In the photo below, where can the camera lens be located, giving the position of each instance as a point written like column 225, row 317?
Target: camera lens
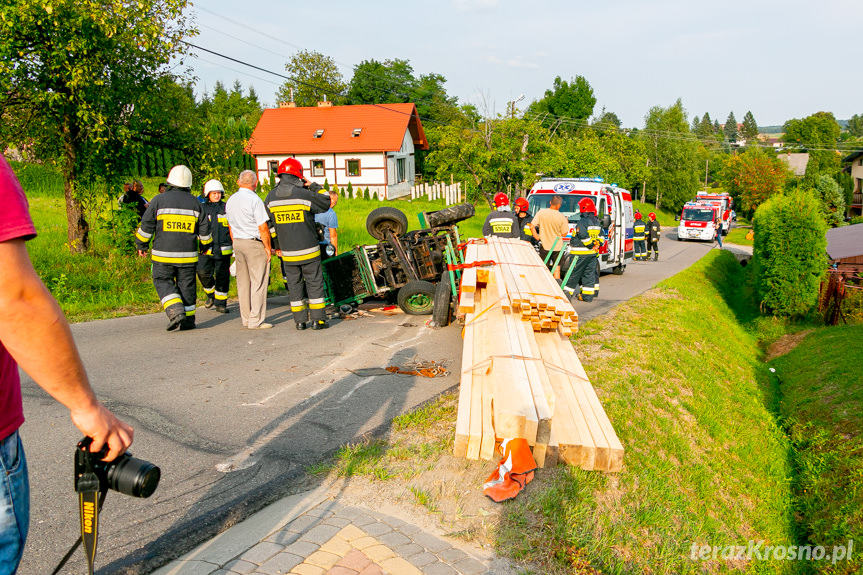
column 132, row 476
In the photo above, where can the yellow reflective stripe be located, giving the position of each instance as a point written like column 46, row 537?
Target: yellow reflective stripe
column 298, row 308
column 190, row 312
column 317, row 305
column 587, row 290
column 169, row 260
column 221, row 296
column 142, row 237
column 302, row 258
column 171, row 302
column 210, row 290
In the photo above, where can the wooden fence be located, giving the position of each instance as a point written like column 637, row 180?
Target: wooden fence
column 451, row 194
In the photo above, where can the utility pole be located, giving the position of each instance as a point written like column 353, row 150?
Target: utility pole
column 706, row 165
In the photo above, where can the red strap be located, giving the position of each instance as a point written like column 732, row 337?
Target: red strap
column 475, row 264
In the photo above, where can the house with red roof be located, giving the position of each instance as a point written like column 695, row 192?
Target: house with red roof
column 369, row 145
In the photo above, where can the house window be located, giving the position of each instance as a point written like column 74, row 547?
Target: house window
column 317, row 168
column 356, row 133
column 319, row 133
column 353, row 167
column 401, row 170
column 274, row 167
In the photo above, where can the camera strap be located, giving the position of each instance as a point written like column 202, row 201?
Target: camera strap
column 90, row 500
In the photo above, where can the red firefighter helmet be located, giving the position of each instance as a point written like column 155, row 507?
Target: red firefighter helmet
column 586, row 206
column 651, row 216
column 522, row 205
column 291, row 166
column 637, row 215
column 501, row 199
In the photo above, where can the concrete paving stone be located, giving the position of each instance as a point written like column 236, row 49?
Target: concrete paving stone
column 355, row 559
column 280, row 564
column 377, row 529
column 188, row 567
column 337, row 546
column 337, row 521
column 222, row 572
column 408, row 550
column 302, row 548
column 391, row 521
column 409, row 529
column 339, row 570
column 439, row 569
column 283, row 537
column 469, row 566
column 378, row 553
column 372, row 569
column 351, row 532
column 302, row 523
column 452, row 555
column 394, row 539
column 422, row 559
column 321, row 511
column 364, row 542
column 260, row 553
column 356, row 516
column 239, row 566
column 398, row 566
column 430, row 542
column 306, row 569
column 320, row 534
column 323, row 559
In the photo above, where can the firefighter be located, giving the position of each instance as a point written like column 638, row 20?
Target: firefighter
column 524, row 220
column 175, row 222
column 586, row 241
column 501, row 222
column 214, row 264
column 652, row 236
column 292, row 205
column 639, row 229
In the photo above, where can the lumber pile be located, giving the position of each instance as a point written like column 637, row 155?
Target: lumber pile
column 520, row 374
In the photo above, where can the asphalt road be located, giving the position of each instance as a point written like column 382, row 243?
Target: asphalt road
column 233, row 417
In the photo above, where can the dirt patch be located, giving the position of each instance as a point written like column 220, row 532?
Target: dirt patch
column 785, row 344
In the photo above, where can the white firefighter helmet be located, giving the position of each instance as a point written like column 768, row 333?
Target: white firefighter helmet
column 213, row 186
column 180, row 177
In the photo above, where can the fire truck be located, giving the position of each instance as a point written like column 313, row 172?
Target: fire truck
column 723, row 202
column 698, row 221
column 613, row 208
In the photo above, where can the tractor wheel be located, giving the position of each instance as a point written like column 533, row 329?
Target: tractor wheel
column 442, row 310
column 382, row 220
column 450, row 215
column 416, row 297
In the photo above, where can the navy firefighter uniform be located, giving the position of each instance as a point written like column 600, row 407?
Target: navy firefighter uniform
column 175, row 223
column 501, row 222
column 291, row 206
column 652, row 236
column 586, row 240
column 639, row 231
column 215, row 263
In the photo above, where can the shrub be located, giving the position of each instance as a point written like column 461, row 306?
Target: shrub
column 336, row 189
column 375, row 196
column 366, row 195
column 832, row 200
column 326, row 184
column 349, row 191
column 121, row 226
column 789, row 253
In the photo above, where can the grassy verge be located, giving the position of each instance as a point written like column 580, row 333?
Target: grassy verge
column 663, row 216
column 738, row 236
column 821, row 400
column 706, row 462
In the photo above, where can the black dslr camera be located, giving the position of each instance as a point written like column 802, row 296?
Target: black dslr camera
column 126, row 474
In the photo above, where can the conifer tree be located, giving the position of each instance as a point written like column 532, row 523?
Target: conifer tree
column 731, row 128
column 750, row 127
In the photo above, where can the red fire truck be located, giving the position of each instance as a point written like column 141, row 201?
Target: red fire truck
column 723, row 202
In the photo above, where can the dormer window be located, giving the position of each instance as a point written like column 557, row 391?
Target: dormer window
column 356, row 133
column 319, row 133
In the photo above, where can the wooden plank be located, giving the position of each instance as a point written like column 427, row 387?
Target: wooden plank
column 486, row 449
column 463, row 416
column 468, row 275
column 478, row 325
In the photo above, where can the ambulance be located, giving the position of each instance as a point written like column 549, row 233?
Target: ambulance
column 698, row 221
column 613, row 208
column 723, row 202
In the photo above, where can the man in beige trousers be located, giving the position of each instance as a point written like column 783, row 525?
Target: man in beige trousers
column 250, row 233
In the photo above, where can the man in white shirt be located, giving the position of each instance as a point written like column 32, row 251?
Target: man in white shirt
column 250, row 233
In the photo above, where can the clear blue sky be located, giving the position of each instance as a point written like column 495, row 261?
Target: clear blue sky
column 780, row 59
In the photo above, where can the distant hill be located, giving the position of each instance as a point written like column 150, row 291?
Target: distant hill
column 778, row 129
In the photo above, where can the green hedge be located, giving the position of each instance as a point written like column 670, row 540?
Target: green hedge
column 790, row 252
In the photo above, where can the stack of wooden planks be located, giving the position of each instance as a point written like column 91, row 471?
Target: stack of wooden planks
column 520, row 374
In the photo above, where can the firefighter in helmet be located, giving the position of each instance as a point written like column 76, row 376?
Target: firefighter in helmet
column 175, row 222
column 638, row 235
column 524, row 219
column 501, row 222
column 652, row 236
column 586, row 241
column 291, row 206
column 214, row 264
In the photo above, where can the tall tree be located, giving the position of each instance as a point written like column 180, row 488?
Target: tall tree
column 753, row 177
column 855, row 126
column 673, row 152
column 730, row 129
column 705, row 126
column 832, row 200
column 750, row 127
column 571, row 103
column 388, row 82
column 313, row 78
column 73, row 75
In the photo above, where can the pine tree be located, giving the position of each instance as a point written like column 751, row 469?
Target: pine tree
column 705, row 127
column 731, row 128
column 349, row 191
column 716, row 127
column 750, row 127
column 696, row 122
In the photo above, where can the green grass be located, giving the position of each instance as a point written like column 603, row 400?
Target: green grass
column 821, row 398
column 663, row 216
column 706, row 461
column 737, row 235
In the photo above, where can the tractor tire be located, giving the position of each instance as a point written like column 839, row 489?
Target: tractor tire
column 618, row 270
column 442, row 310
column 450, row 215
column 384, row 219
column 416, row 297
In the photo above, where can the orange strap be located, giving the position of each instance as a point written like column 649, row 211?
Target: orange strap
column 479, row 263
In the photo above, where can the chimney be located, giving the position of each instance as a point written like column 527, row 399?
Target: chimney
column 287, row 104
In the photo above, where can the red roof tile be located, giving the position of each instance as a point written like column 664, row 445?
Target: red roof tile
column 292, row 130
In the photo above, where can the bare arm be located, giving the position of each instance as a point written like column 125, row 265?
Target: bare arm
column 334, row 239
column 265, row 237
column 35, row 332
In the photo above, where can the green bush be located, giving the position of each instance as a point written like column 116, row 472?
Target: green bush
column 832, row 200
column 789, row 253
column 366, row 195
column 121, row 225
column 349, row 191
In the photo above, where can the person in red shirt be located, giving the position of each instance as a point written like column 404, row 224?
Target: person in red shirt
column 35, row 335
